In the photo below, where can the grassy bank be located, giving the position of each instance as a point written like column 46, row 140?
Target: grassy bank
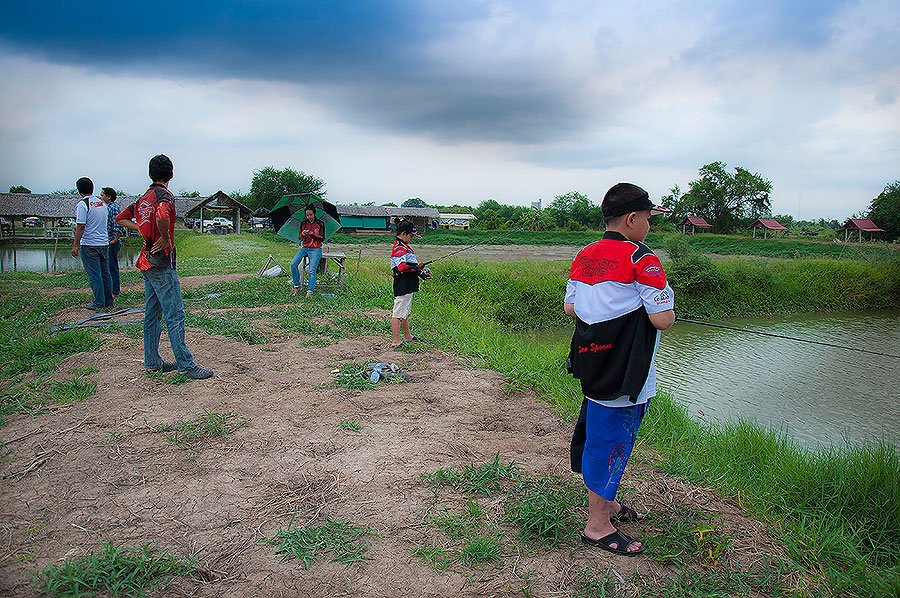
column 838, row 511
column 705, row 243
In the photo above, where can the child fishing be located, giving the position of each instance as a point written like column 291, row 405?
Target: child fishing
column 406, row 270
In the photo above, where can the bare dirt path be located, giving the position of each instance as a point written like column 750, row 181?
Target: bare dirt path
column 94, row 472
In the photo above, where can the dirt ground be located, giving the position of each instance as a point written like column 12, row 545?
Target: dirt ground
column 92, row 472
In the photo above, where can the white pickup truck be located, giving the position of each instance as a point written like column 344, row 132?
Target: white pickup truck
column 218, row 221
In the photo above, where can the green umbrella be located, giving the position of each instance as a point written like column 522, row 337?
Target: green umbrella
column 290, row 212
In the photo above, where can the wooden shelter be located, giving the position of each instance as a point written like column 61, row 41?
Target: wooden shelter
column 767, row 224
column 694, row 222
column 421, row 217
column 219, row 204
column 859, row 224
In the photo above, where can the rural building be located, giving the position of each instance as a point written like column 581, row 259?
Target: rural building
column 422, row 217
column 218, row 204
column 363, row 218
column 859, row 224
column 767, row 224
column 456, row 221
column 694, row 222
column 54, row 210
column 380, row 218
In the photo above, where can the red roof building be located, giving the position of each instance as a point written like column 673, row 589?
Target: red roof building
column 694, row 222
column 767, row 224
column 859, row 224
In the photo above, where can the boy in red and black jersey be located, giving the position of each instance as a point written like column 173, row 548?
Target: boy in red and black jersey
column 620, row 299
column 406, row 270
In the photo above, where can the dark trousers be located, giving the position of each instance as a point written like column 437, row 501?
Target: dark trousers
column 96, row 264
column 114, row 267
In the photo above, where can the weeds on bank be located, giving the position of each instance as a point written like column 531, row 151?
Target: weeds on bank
column 348, row 542
column 482, row 479
column 687, row 537
column 207, row 426
column 115, row 570
column 542, row 511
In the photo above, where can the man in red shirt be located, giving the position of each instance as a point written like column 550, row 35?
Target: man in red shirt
column 154, row 218
column 312, row 234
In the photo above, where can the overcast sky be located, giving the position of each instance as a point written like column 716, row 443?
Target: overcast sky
column 456, row 101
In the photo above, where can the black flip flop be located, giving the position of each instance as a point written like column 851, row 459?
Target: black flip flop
column 628, row 514
column 621, row 540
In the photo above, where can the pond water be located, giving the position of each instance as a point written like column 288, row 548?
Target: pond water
column 820, row 396
column 23, row 258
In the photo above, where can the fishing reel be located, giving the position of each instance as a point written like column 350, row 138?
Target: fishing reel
column 425, row 273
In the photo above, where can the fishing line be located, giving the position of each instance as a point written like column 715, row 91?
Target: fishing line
column 494, row 238
column 791, row 338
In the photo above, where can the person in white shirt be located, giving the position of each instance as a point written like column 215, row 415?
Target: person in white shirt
column 92, row 243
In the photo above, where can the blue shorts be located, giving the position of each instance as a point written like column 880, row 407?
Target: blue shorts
column 610, row 437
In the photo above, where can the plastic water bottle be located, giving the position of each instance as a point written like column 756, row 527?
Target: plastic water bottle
column 376, row 372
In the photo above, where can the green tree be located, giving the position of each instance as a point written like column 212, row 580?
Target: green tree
column 885, row 210
column 270, row 184
column 19, row 189
column 533, row 219
column 389, row 204
column 186, row 193
column 728, row 200
column 414, row 202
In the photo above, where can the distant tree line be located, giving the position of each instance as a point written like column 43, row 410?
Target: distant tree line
column 729, row 200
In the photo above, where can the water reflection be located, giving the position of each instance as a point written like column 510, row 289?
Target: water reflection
column 18, row 258
column 821, row 396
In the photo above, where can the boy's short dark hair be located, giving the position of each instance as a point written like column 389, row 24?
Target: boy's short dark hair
column 161, row 168
column 84, row 185
column 110, row 193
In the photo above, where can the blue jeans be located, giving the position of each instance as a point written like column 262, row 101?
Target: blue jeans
column 96, row 264
column 315, row 255
column 162, row 298
column 114, row 267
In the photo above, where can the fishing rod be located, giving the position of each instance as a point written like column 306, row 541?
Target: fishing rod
column 791, row 338
column 494, row 238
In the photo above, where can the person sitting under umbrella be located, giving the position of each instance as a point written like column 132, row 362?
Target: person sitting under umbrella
column 312, row 233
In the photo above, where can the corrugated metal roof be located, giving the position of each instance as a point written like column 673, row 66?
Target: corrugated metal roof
column 863, row 224
column 45, row 205
column 697, row 221
column 458, row 217
column 769, row 223
column 373, row 211
column 418, row 212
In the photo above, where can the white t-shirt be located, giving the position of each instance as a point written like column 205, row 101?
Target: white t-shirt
column 94, row 221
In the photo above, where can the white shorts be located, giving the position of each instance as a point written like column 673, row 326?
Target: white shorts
column 402, row 306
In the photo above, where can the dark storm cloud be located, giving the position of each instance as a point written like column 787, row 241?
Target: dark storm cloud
column 366, row 59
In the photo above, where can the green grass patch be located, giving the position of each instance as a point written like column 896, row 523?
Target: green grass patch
column 33, row 396
column 481, row 549
column 207, row 426
column 346, row 541
column 239, row 328
column 486, row 480
column 351, row 425
column 547, row 511
column 352, row 375
column 117, row 571
column 439, row 559
column 687, row 536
